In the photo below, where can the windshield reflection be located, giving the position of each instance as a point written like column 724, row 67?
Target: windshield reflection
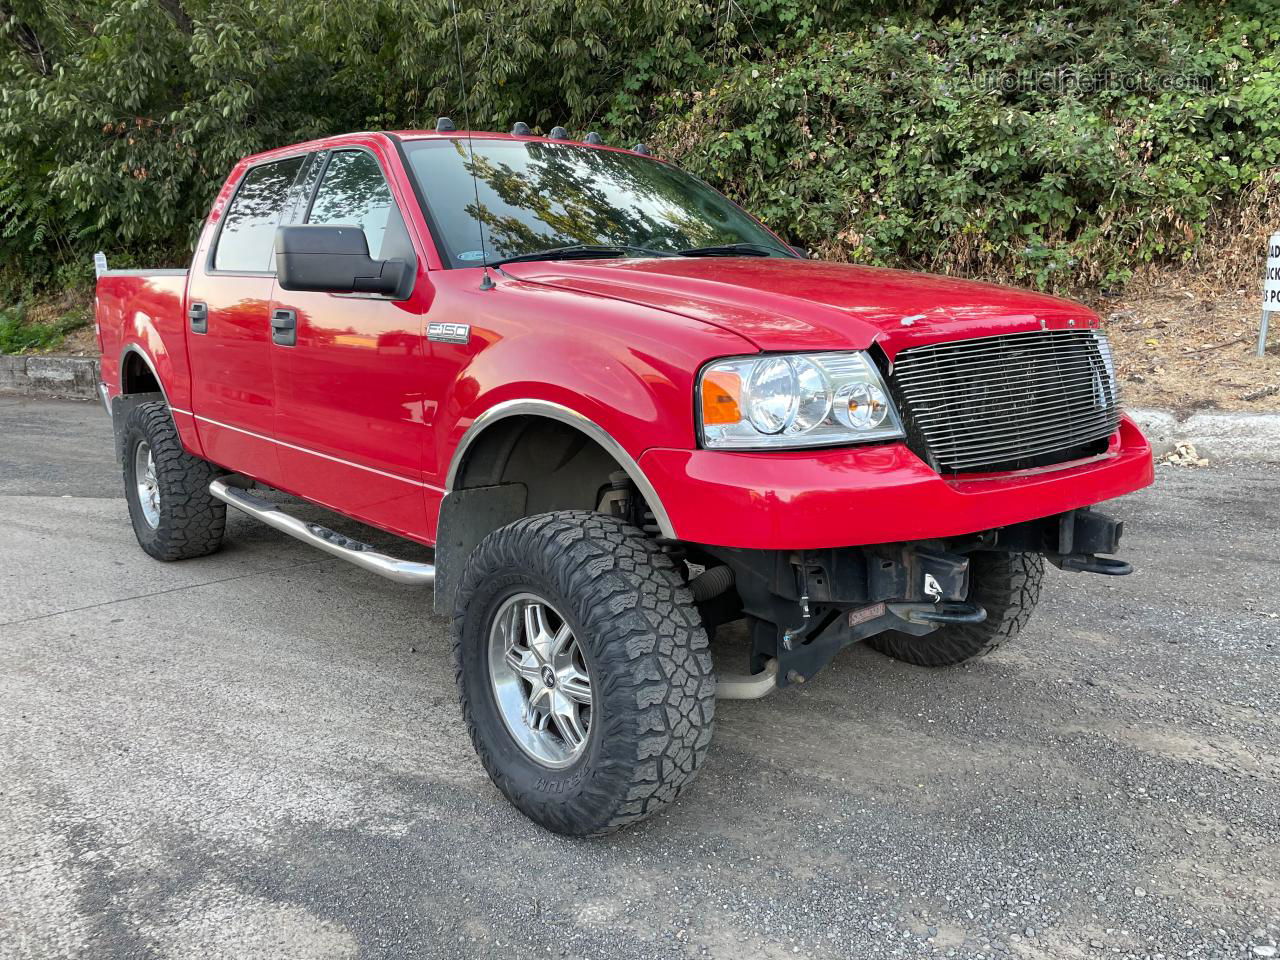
column 538, row 195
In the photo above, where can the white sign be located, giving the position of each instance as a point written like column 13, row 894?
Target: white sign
column 100, row 262
column 1270, row 290
column 1271, row 280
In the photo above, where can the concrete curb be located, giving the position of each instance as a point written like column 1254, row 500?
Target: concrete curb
column 1248, row 437
column 49, row 376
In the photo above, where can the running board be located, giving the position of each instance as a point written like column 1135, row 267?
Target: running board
column 330, row 541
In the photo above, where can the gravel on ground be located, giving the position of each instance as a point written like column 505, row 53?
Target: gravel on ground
column 258, row 754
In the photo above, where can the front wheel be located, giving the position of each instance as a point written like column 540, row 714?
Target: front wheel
column 1007, row 584
column 583, row 671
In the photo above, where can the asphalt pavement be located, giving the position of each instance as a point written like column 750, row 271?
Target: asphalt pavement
column 259, row 754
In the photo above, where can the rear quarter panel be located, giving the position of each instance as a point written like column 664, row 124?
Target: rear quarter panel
column 144, row 311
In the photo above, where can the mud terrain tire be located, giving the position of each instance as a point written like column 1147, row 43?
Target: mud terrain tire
column 652, row 688
column 183, row 520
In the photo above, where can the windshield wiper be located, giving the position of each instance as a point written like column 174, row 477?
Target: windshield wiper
column 732, row 250
column 581, row 251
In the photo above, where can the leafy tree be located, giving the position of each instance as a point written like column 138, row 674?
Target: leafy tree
column 917, row 133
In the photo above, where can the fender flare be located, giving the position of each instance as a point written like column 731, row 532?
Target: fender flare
column 556, row 411
column 122, row 402
column 137, row 348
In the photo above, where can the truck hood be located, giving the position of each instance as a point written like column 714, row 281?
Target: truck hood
column 783, row 304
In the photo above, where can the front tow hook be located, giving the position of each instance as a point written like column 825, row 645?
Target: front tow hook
column 949, row 611
column 1091, row 563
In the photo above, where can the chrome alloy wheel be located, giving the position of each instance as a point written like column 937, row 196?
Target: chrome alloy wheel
column 144, row 475
column 540, row 680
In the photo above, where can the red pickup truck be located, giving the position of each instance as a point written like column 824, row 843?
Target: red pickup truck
column 623, row 413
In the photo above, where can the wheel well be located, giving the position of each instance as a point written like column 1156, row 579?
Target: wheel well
column 521, row 466
column 561, row 467
column 136, row 375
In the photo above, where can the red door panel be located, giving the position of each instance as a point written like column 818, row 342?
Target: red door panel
column 349, row 413
column 232, row 386
column 229, row 338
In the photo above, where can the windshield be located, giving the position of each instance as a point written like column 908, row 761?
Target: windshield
column 536, row 195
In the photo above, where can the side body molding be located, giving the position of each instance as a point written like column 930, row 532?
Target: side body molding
column 555, row 411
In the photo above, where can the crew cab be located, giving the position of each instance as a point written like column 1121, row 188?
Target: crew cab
column 624, row 414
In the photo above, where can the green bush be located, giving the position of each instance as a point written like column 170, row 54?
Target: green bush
column 972, row 149
column 871, row 132
column 19, row 335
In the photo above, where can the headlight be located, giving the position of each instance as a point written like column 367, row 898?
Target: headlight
column 794, row 400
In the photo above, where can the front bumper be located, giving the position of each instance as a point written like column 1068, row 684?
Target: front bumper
column 863, row 495
column 804, row 606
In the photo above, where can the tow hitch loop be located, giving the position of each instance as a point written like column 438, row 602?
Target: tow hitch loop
column 947, row 611
column 1085, row 563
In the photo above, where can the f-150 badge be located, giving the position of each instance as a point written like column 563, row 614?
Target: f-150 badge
column 449, row 332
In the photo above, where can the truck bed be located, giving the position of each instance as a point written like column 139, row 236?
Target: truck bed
column 146, row 309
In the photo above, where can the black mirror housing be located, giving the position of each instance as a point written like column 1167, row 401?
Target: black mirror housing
column 335, row 259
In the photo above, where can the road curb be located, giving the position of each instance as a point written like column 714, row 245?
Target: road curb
column 49, row 376
column 1246, row 437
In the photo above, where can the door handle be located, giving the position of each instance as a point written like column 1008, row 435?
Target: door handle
column 284, row 328
column 198, row 314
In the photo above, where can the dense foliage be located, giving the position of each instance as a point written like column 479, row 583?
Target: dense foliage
column 19, row 333
column 1058, row 144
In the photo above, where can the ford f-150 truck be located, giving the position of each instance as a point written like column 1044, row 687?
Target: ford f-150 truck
column 623, row 413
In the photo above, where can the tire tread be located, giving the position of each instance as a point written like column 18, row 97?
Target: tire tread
column 192, row 520
column 656, row 663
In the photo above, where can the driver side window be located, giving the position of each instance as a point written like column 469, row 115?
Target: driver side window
column 354, row 192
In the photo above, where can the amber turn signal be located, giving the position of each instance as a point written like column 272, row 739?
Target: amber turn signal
column 721, row 391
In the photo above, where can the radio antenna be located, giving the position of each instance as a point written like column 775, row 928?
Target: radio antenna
column 487, row 282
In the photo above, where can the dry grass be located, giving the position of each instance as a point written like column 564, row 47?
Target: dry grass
column 1186, row 336
column 1180, row 349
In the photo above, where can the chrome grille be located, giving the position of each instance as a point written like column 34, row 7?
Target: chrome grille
column 1010, row 401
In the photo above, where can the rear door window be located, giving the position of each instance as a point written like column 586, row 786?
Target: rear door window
column 354, row 192
column 247, row 240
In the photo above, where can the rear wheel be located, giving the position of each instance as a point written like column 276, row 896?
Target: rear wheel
column 174, row 515
column 1006, row 584
column 583, row 671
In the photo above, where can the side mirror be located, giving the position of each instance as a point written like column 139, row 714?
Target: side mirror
column 334, row 259
column 800, row 252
